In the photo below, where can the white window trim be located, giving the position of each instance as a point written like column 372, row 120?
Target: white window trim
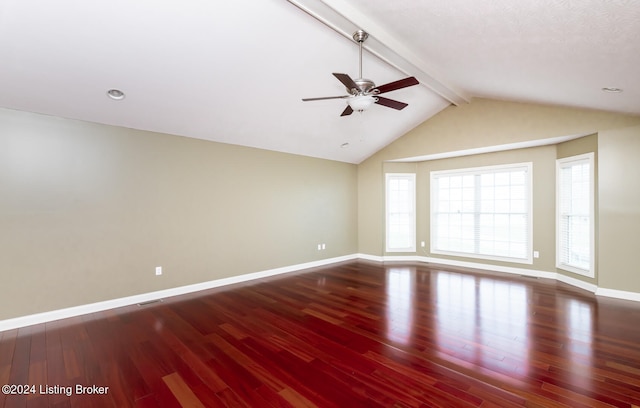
column 590, row 158
column 487, row 169
column 412, row 178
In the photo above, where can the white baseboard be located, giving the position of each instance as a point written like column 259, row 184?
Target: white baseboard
column 590, row 287
column 494, row 268
column 577, row 283
column 367, row 257
column 618, row 294
column 38, row 318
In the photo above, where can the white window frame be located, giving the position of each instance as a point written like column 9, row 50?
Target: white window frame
column 587, row 158
column 475, row 171
column 411, row 177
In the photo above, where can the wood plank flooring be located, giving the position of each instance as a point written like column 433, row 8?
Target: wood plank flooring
column 356, row 334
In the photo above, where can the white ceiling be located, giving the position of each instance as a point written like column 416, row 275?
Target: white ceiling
column 235, row 71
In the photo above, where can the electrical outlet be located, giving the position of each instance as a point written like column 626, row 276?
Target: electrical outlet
column 536, row 254
column 324, row 246
column 422, row 244
column 158, row 270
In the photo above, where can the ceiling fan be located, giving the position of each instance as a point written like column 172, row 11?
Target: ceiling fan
column 362, row 93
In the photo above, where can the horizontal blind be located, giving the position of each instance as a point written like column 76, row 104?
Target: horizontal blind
column 400, row 212
column 574, row 213
column 482, row 212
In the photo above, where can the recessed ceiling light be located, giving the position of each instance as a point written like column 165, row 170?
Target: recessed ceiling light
column 611, row 90
column 115, row 94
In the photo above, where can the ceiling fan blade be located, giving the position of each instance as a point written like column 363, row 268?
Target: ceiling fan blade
column 392, row 86
column 347, row 111
column 346, row 81
column 390, row 103
column 325, row 97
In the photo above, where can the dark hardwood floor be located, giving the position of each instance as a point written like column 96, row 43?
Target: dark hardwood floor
column 356, row 334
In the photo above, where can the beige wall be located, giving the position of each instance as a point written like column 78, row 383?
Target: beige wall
column 88, row 211
column 619, row 208
column 485, row 123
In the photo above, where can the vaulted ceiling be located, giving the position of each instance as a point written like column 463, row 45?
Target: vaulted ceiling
column 236, row 71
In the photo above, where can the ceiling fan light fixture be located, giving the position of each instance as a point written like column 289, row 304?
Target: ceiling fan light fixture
column 361, row 103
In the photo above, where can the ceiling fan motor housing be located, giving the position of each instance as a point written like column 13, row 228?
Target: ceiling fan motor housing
column 365, row 86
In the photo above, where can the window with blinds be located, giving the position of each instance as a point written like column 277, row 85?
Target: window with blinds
column 400, row 212
column 483, row 212
column 574, row 211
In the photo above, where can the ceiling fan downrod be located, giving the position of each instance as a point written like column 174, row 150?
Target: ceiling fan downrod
column 364, row 86
column 360, row 36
